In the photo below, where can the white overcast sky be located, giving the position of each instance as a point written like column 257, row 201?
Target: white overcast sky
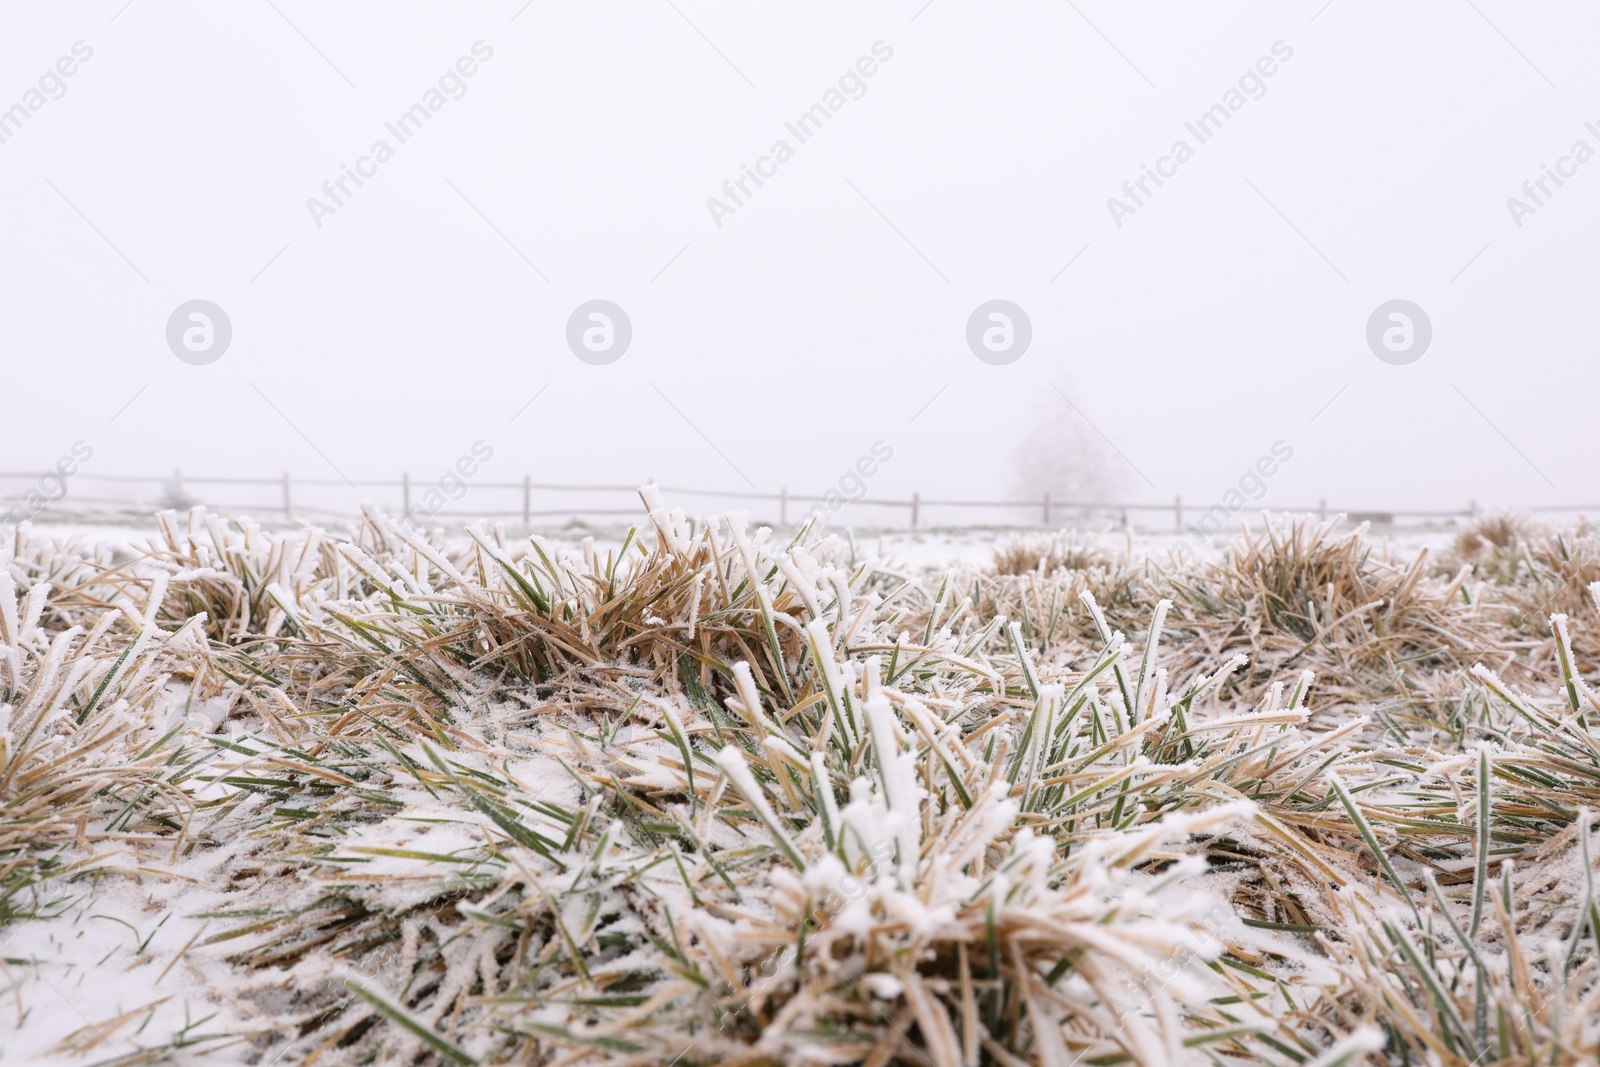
column 826, row 312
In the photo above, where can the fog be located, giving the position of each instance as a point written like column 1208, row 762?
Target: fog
column 936, row 156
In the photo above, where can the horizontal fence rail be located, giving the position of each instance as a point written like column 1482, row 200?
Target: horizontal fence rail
column 29, row 494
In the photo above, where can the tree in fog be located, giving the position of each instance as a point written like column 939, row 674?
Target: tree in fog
column 1060, row 453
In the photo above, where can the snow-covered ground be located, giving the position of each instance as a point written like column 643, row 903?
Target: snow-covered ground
column 932, row 547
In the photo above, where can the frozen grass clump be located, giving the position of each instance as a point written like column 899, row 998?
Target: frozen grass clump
column 1535, row 571
column 1046, row 555
column 1300, row 594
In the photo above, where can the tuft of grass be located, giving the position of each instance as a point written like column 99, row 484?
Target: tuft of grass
column 1532, row 572
column 1304, row 595
column 1047, row 555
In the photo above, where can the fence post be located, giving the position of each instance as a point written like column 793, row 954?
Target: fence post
column 1177, row 514
column 288, row 508
column 1124, row 518
column 1322, row 509
column 1472, row 509
column 405, row 494
column 527, row 499
column 1047, row 510
column 916, row 508
column 783, row 507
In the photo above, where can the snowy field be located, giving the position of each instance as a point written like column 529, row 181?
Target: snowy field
column 695, row 794
column 933, row 547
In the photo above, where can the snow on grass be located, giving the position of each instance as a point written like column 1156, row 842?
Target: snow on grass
column 699, row 793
